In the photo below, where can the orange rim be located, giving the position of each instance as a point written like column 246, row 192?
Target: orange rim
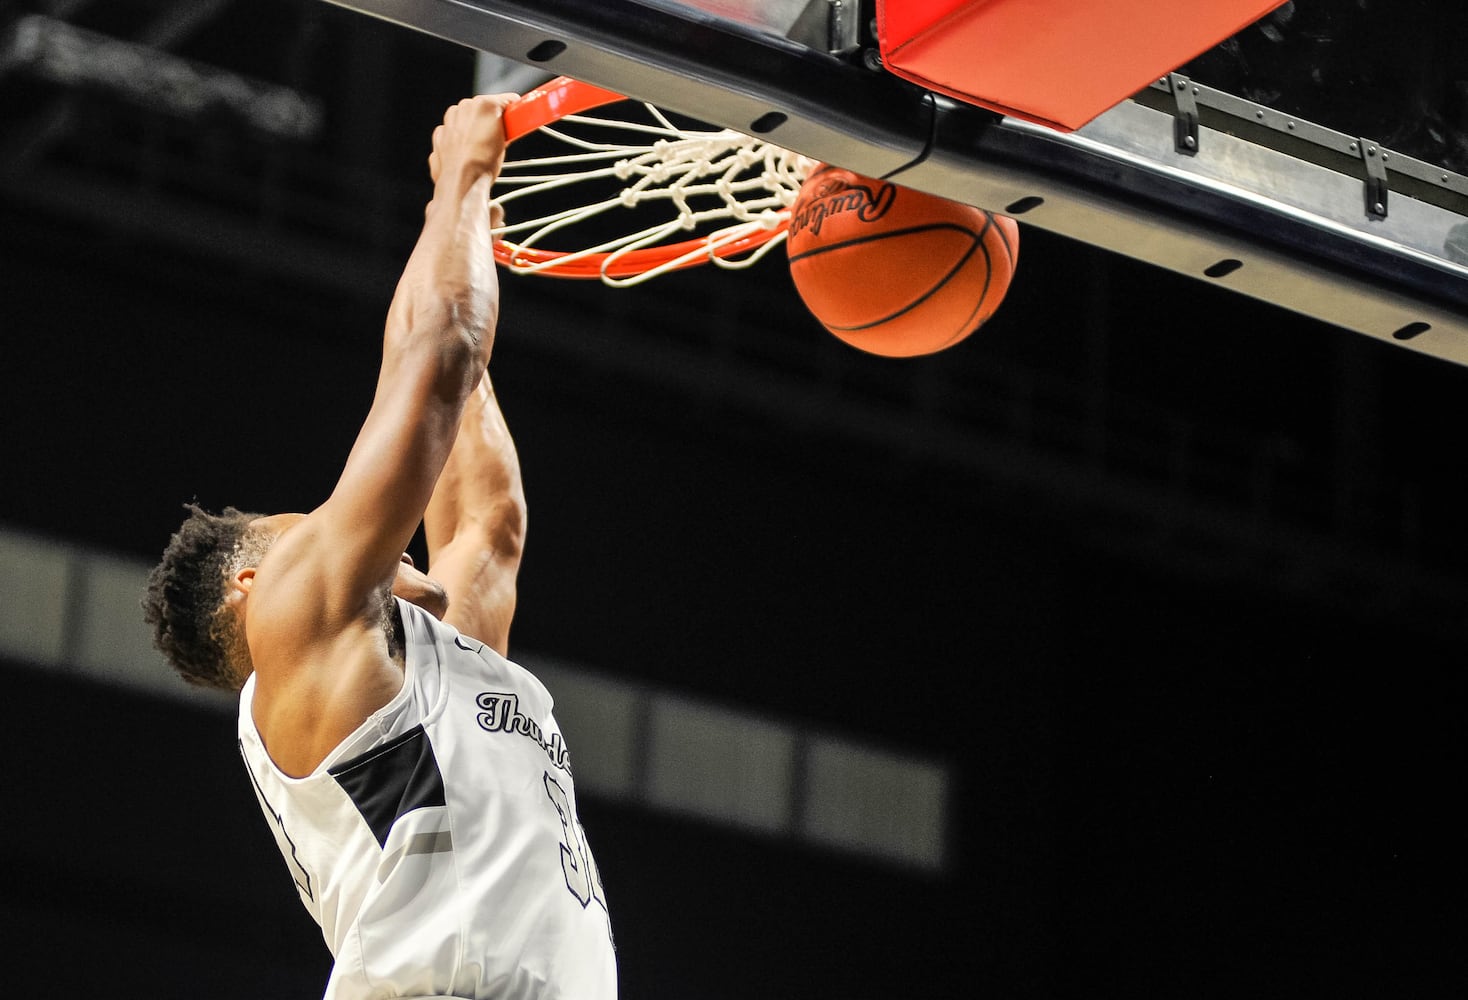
column 561, row 97
column 552, row 102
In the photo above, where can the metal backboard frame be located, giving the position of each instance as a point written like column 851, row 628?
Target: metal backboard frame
column 1186, row 178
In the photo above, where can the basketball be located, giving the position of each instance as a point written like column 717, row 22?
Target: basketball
column 893, row 271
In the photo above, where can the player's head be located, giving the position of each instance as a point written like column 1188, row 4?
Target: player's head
column 195, row 624
column 201, row 637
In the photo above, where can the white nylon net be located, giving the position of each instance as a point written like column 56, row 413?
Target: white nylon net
column 709, row 192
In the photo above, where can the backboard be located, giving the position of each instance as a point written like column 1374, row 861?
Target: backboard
column 1311, row 160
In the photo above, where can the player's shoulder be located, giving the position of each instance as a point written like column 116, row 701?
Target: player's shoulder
column 304, row 709
column 304, row 597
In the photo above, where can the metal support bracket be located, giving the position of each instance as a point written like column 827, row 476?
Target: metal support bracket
column 845, row 30
column 1374, row 155
column 832, row 26
column 1185, row 115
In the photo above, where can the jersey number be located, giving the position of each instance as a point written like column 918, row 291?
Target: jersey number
column 576, row 861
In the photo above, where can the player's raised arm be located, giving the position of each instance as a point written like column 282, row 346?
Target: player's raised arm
column 315, row 602
column 438, row 337
column 437, row 847
column 475, row 523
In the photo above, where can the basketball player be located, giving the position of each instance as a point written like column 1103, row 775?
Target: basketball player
column 415, row 780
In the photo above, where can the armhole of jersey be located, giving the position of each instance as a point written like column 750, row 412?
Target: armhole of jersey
column 346, row 749
column 420, row 633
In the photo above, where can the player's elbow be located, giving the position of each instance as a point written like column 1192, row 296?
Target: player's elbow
column 462, row 332
column 453, row 330
column 467, row 307
column 470, row 323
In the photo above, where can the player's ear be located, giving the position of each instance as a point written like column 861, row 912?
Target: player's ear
column 237, row 588
column 240, row 584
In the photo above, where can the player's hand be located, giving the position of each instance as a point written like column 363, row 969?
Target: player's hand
column 470, row 143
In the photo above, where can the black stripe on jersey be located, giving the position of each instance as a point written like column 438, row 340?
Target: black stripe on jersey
column 392, row 780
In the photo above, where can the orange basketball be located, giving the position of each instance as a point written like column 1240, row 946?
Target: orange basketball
column 894, row 271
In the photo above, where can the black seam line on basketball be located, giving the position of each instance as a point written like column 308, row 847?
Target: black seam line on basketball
column 978, row 241
column 930, row 227
column 992, row 222
column 1003, row 238
column 969, row 325
column 941, row 282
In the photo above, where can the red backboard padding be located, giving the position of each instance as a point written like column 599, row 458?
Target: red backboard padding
column 1056, row 62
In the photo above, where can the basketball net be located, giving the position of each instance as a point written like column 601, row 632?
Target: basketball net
column 648, row 196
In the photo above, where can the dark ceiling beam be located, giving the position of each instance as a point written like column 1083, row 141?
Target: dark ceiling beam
column 214, row 234
column 173, row 25
column 179, row 22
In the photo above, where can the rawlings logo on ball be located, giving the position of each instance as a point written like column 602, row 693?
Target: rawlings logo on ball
column 838, row 195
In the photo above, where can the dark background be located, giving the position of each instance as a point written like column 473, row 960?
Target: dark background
column 1173, row 581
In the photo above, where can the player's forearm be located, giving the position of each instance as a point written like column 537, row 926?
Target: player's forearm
column 480, row 494
column 438, row 336
column 448, row 298
column 447, row 301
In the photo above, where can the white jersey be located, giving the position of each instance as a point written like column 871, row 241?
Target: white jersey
column 438, row 845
